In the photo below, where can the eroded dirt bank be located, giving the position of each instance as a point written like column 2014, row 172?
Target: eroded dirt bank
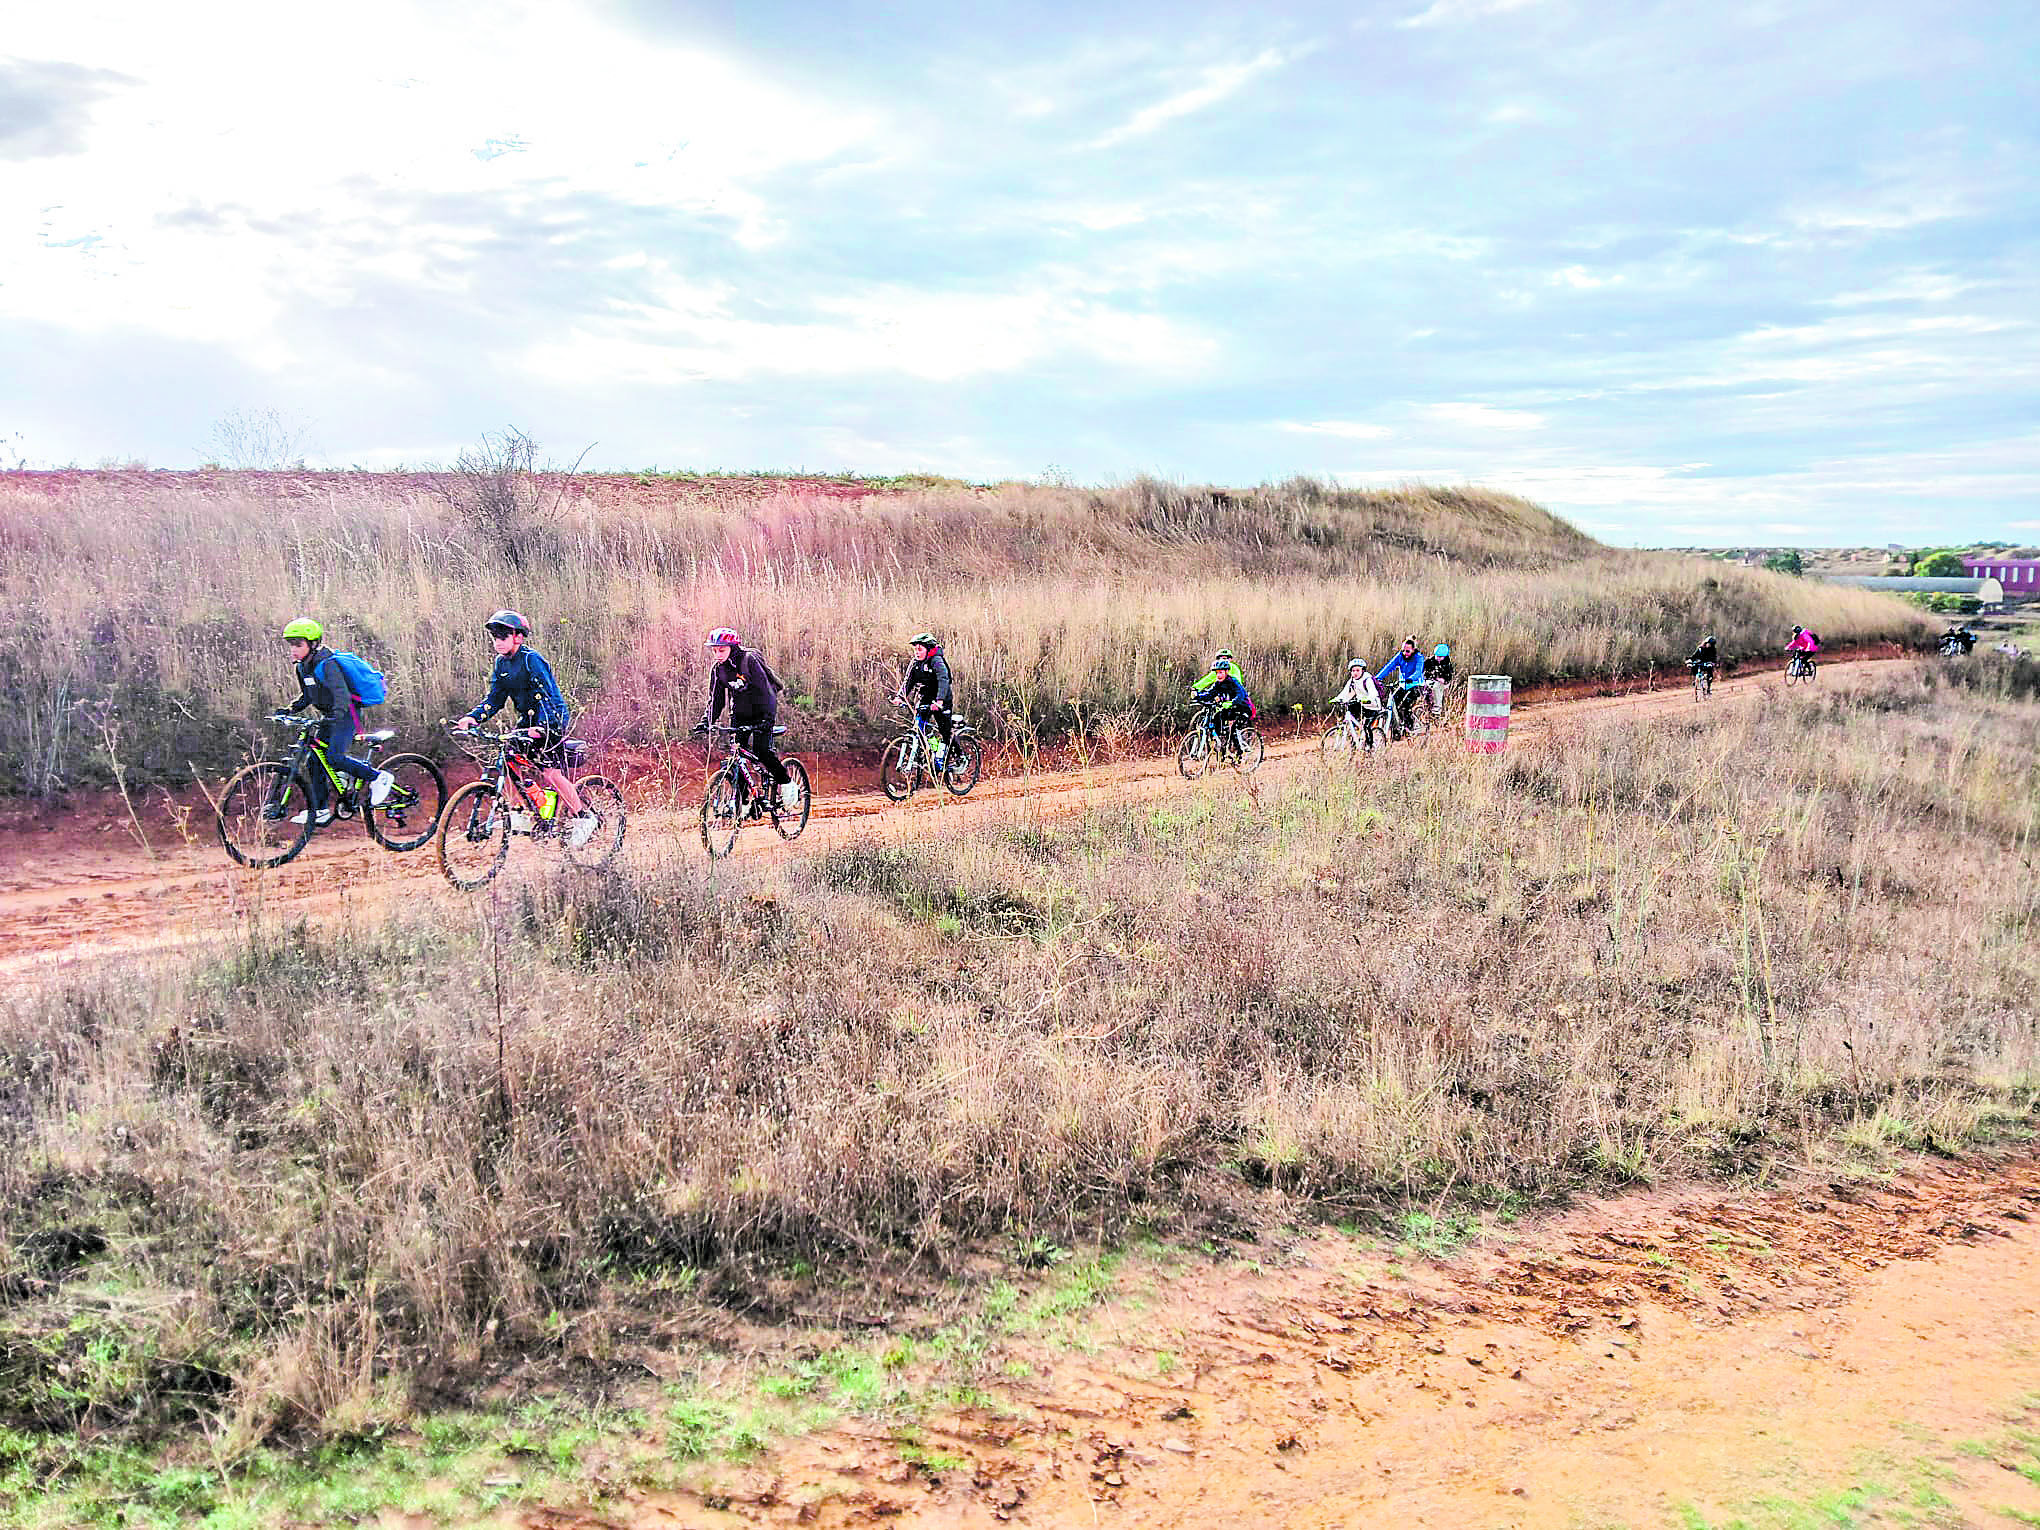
column 1850, row 1351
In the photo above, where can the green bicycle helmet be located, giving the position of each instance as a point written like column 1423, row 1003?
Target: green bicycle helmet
column 304, row 627
column 923, row 640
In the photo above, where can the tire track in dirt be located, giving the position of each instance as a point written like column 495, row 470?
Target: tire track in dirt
column 1623, row 1361
column 63, row 900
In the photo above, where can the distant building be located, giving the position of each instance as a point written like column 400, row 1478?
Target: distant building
column 2019, row 576
column 1989, row 592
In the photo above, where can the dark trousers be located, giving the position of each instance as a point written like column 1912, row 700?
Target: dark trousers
column 944, row 720
column 757, row 737
column 337, row 733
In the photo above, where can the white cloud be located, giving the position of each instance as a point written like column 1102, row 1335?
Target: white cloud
column 1581, row 279
column 1350, row 430
column 1907, row 287
column 1479, row 417
column 1455, row 12
column 681, row 331
column 2024, row 525
column 1213, row 87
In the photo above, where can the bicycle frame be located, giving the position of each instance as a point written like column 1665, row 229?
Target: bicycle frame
column 310, row 746
column 748, row 769
column 523, row 772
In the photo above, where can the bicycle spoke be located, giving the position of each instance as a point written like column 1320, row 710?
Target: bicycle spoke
column 474, row 835
column 265, row 815
column 409, row 816
column 722, row 814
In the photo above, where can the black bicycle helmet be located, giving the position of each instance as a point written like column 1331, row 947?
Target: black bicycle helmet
column 509, row 621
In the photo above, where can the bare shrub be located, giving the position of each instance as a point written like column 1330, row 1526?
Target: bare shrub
column 260, row 439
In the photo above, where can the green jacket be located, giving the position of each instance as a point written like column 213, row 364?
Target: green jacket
column 1211, row 678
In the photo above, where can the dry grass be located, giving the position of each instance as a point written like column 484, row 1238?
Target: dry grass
column 289, row 1185
column 153, row 599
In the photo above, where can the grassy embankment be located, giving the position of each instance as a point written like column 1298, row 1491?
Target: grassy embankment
column 293, row 1190
column 137, row 612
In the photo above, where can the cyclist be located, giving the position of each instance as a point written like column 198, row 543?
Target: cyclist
column 322, row 683
column 1407, row 666
column 1210, row 677
column 1959, row 637
column 1228, row 699
column 1438, row 677
column 927, row 686
column 741, row 676
column 523, row 679
column 1805, row 641
column 1707, row 656
column 1362, row 699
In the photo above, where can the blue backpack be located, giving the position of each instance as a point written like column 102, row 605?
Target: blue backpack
column 363, row 679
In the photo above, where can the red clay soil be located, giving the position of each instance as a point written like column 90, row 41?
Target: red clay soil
column 82, row 884
column 1656, row 1360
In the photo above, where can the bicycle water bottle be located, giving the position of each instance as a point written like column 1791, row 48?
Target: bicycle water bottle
column 548, row 804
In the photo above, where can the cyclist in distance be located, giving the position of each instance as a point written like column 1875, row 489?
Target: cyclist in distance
column 523, row 679
column 322, row 683
column 1438, row 677
column 1706, row 656
column 1803, row 641
column 927, row 688
column 1407, row 665
column 1361, row 698
column 1228, row 699
column 740, row 676
column 1210, row 677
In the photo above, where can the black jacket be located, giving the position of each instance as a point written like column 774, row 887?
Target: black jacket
column 1706, row 653
column 330, row 695
column 1436, row 668
column 746, row 681
column 928, row 681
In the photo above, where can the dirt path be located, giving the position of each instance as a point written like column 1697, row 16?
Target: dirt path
column 1841, row 1353
column 71, row 890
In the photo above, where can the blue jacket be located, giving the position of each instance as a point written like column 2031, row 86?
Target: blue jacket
column 1225, row 694
column 1411, row 669
column 526, row 681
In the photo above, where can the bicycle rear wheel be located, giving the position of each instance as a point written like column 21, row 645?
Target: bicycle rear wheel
column 1248, row 750
column 789, row 824
column 898, row 768
column 966, row 760
column 474, row 835
column 604, row 798
column 722, row 814
column 255, row 814
column 1193, row 758
column 410, row 814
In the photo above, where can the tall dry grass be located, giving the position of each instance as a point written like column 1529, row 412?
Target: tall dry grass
column 138, row 611
column 322, row 1169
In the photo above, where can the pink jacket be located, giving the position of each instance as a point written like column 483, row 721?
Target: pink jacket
column 1806, row 642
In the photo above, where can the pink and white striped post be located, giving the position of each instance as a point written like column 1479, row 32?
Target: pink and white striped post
column 1487, row 714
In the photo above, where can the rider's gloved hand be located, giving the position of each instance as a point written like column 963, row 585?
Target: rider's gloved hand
column 698, row 729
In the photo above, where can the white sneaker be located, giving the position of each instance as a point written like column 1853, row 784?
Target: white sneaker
column 379, row 789
column 325, row 816
column 520, row 821
column 789, row 797
column 582, row 829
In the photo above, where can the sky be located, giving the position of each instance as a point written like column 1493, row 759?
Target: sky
column 1758, row 271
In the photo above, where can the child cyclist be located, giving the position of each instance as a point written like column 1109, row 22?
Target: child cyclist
column 740, row 676
column 928, row 689
column 322, row 683
column 1438, row 677
column 1228, row 699
column 1362, row 700
column 522, row 678
column 1210, row 677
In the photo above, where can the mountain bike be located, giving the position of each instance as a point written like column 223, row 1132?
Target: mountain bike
column 265, row 813
column 1348, row 738
column 740, row 791
column 909, row 759
column 511, row 801
column 1409, row 712
column 1703, row 680
column 1205, row 743
column 1799, row 667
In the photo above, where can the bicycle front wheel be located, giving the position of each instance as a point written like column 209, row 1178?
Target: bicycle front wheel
column 1248, row 751
column 604, row 798
column 899, row 768
column 474, row 835
column 265, row 815
column 790, row 823
column 410, row 814
column 722, row 814
column 966, row 760
column 1194, row 756
column 1337, row 744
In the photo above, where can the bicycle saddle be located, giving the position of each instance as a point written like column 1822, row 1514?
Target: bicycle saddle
column 380, row 736
column 777, row 731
